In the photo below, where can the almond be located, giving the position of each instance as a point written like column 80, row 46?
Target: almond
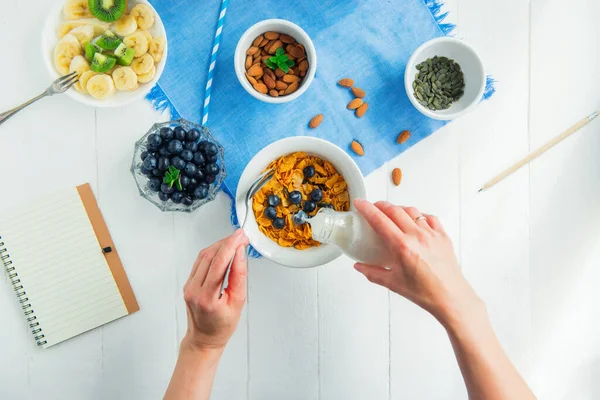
column 315, row 121
column 261, row 88
column 252, row 51
column 302, row 74
column 267, row 46
column 397, row 176
column 270, row 82
column 290, row 78
column 271, row 35
column 360, row 111
column 291, row 57
column 357, row 148
column 403, row 137
column 281, row 92
column 280, row 85
column 251, row 79
column 291, row 88
column 295, row 51
column 269, row 71
column 291, row 71
column 358, row 92
column 303, row 66
column 277, row 44
column 287, row 38
column 346, row 82
column 248, row 61
column 354, row 104
column 263, row 43
column 274, row 93
column 255, row 70
column 258, row 41
column 279, row 73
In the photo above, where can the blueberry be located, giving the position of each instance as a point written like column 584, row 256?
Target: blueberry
column 175, row 147
column 309, row 171
column 151, row 147
column 309, row 206
column 300, row 217
column 157, row 172
column 164, row 196
column 147, row 172
column 190, row 170
column 211, row 159
column 278, row 223
column 184, row 180
column 295, row 197
column 270, row 212
column 144, row 155
column 192, row 185
column 168, row 189
column 187, row 155
column 211, row 169
column 187, row 201
column 166, row 133
column 273, row 200
column 199, row 158
column 210, row 179
column 179, row 133
column 154, row 184
column 200, row 193
column 204, row 185
column 150, row 162
column 211, row 149
column 163, row 151
column 164, row 163
column 193, row 146
column 200, row 176
column 203, row 144
column 325, row 205
column 193, row 135
column 178, row 162
column 177, row 197
column 154, row 140
column 316, row 194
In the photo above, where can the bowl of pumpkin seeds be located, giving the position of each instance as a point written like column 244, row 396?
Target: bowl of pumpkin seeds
column 444, row 78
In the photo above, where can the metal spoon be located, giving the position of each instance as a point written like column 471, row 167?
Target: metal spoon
column 261, row 181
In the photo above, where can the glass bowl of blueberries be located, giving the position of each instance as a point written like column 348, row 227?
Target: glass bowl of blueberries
column 178, row 166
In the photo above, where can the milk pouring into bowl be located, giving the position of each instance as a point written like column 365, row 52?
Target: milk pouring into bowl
column 352, row 234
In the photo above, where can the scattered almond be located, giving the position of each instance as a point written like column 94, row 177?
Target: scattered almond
column 346, row 82
column 261, row 88
column 403, row 137
column 357, row 148
column 358, row 92
column 274, row 93
column 354, row 104
column 360, row 111
column 315, row 121
column 271, row 35
column 397, row 176
column 252, row 51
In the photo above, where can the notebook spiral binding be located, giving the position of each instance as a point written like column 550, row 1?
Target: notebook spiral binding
column 13, row 276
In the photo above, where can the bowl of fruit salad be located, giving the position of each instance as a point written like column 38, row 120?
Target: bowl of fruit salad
column 117, row 47
column 178, row 166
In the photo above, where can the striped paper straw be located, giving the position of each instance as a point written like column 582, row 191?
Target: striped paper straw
column 213, row 60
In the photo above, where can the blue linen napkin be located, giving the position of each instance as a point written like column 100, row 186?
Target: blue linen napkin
column 369, row 41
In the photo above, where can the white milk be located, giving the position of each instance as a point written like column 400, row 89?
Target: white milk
column 352, row 234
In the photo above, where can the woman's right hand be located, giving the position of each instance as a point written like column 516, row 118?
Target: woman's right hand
column 426, row 271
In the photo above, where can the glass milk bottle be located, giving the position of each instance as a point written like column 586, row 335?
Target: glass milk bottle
column 352, row 234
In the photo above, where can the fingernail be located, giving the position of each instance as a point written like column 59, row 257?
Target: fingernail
column 238, row 232
column 358, row 267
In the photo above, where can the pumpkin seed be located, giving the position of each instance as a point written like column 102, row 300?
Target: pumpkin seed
column 438, row 83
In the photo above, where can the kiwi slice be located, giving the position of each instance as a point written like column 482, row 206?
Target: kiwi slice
column 90, row 50
column 108, row 10
column 109, row 41
column 124, row 55
column 102, row 63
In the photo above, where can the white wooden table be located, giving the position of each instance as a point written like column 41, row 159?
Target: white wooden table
column 530, row 246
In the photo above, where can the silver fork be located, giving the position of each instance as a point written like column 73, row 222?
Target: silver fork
column 58, row 86
column 261, row 181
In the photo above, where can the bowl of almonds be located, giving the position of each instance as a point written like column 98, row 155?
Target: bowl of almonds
column 275, row 61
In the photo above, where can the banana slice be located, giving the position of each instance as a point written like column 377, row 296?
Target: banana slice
column 83, row 80
column 137, row 42
column 100, row 86
column 144, row 16
column 66, row 49
column 99, row 26
column 125, row 26
column 77, row 9
column 125, row 79
column 157, row 48
column 80, row 65
column 147, row 77
column 83, row 33
column 142, row 65
column 146, row 33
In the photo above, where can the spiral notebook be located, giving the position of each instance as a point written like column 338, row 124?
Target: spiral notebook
column 63, row 266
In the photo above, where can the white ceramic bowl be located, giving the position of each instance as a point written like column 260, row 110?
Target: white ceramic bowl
column 470, row 64
column 286, row 256
column 281, row 26
column 50, row 39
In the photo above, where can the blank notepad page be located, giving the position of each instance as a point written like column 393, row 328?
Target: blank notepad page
column 60, row 264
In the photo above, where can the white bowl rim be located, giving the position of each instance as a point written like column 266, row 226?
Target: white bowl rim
column 408, row 81
column 308, row 44
column 317, row 255
column 86, row 99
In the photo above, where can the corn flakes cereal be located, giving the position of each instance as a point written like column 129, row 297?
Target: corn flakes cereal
column 289, row 176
